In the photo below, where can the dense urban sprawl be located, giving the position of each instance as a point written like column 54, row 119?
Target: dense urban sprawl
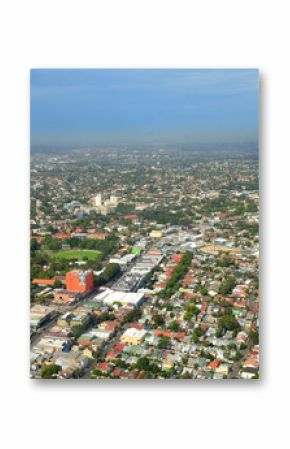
column 145, row 264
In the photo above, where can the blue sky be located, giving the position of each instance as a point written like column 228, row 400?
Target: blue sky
column 80, row 106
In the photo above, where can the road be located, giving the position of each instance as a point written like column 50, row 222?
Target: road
column 236, row 365
column 106, row 348
column 109, row 345
column 60, row 310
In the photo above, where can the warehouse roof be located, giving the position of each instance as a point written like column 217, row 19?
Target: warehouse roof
column 109, row 296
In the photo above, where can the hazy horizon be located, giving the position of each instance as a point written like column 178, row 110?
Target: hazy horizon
column 91, row 107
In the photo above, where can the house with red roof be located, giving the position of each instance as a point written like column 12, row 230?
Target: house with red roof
column 214, row 364
column 119, row 347
column 104, row 367
column 131, row 217
column 43, row 282
column 61, row 235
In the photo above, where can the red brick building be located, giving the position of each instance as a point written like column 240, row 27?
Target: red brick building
column 80, row 281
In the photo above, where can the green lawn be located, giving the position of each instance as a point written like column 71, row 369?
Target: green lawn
column 78, row 254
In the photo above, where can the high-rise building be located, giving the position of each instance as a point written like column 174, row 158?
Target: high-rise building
column 114, row 200
column 80, row 281
column 98, row 199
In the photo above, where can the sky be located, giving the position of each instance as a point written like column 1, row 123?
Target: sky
column 92, row 106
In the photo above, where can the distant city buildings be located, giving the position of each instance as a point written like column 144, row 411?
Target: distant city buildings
column 104, row 207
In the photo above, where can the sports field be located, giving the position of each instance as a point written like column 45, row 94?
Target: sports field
column 78, row 254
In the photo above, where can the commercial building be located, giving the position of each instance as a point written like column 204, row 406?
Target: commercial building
column 39, row 315
column 132, row 280
column 80, row 319
column 129, row 282
column 65, row 296
column 109, row 296
column 65, row 319
column 123, row 261
column 80, row 281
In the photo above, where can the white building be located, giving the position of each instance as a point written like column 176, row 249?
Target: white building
column 98, row 199
column 109, row 296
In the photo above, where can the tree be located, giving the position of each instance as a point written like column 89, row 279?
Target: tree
column 219, row 332
column 111, row 270
column 54, row 245
column 158, row 319
column 228, row 322
column 254, row 336
column 133, row 315
column 142, row 364
column 154, row 368
column 178, row 273
column 77, row 373
column 34, row 245
column 168, row 306
column 191, row 310
column 163, row 342
column 174, row 326
column 196, row 334
column 185, row 375
column 78, row 330
column 50, row 371
column 58, row 284
column 188, row 316
column 106, row 316
column 227, row 286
